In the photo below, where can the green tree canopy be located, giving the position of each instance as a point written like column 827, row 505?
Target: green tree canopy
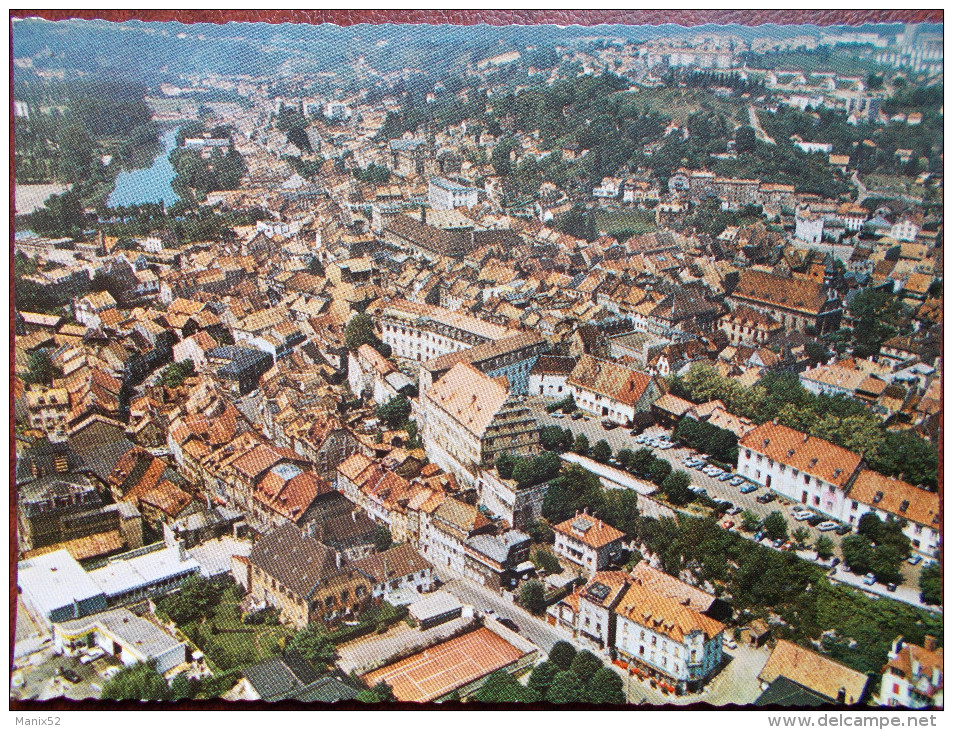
column 931, row 585
column 395, row 412
column 775, row 526
column 562, row 655
column 858, row 553
column 313, row 644
column 542, row 677
column 137, row 682
column 824, row 546
column 501, row 686
column 565, row 688
column 585, row 664
column 533, row 597
column 606, row 688
column 602, row 452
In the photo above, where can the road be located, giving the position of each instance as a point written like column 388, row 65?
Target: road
column 756, row 124
column 531, row 627
column 619, row 438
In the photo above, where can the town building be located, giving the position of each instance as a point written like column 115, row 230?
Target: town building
column 611, row 391
column 588, row 542
column 470, row 418
column 913, row 675
column 444, row 194
column 833, row 681
column 796, row 303
column 497, row 561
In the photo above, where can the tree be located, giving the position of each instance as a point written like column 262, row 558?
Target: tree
column 546, row 561
column 659, row 471
column 602, row 452
column 606, row 688
column 749, row 521
column 360, row 331
column 137, row 682
column 382, row 539
column 581, row 445
column 174, row 375
column 745, row 139
column 533, row 597
column 931, row 585
column 676, row 487
column 625, row 458
column 885, row 562
column 585, row 664
column 642, row 460
column 541, row 677
column 824, row 547
column 857, row 553
column 504, row 465
column 40, row 370
column 184, row 687
column 870, row 526
column 565, row 688
column 192, row 601
column 801, row 535
column 380, row 692
column 877, row 315
column 501, row 686
column 313, row 644
column 775, row 526
column 562, row 655
column 395, row 412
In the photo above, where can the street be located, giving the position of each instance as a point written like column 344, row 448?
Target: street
column 619, row 438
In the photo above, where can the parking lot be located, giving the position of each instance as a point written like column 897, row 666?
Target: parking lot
column 49, row 676
column 620, row 437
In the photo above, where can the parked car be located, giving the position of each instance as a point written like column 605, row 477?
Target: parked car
column 800, row 514
column 724, row 477
column 870, row 579
column 576, row 415
column 914, row 559
column 634, row 432
column 729, row 643
column 826, row 526
column 733, row 510
column 666, row 445
column 766, row 498
column 641, row 439
column 758, row 536
column 508, row 623
column 892, row 587
column 814, row 520
column 609, row 425
column 735, row 481
column 701, row 465
column 695, row 489
column 835, row 562
column 843, row 529
column 778, row 543
column 749, row 488
column 558, row 414
column 69, row 675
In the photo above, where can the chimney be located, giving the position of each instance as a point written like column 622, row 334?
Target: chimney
column 806, row 438
column 354, row 516
column 337, row 558
column 841, row 696
column 929, row 642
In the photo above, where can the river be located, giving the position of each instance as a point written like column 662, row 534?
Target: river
column 149, row 185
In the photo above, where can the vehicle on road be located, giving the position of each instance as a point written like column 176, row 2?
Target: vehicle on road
column 758, row 536
column 843, row 529
column 892, row 587
column 814, row 520
column 870, row 579
column 749, row 488
column 914, row 559
column 508, row 623
column 695, row 489
column 735, row 481
column 69, row 675
column 701, row 466
column 835, row 562
column 558, row 414
column 801, row 514
column 766, row 498
column 826, row 526
column 576, row 415
column 724, row 477
column 733, row 510
column 609, row 425
column 778, row 543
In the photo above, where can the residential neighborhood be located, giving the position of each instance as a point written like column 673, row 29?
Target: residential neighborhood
column 580, row 366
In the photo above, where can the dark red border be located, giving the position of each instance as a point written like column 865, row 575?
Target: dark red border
column 437, row 17
column 506, row 17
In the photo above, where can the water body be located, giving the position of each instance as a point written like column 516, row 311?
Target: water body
column 150, row 185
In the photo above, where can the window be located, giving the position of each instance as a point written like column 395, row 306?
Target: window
column 815, row 500
column 807, row 479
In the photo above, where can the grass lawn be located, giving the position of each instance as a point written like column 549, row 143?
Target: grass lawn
column 893, row 185
column 636, row 221
column 678, row 104
column 252, row 644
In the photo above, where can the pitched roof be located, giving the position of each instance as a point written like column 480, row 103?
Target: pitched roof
column 553, row 365
column 589, row 530
column 607, row 378
column 897, row 497
column 294, row 559
column 665, row 615
column 484, row 351
column 816, row 672
column 673, row 404
column 667, row 585
column 805, row 453
column 798, row 294
column 471, row 398
column 395, row 562
column 912, row 656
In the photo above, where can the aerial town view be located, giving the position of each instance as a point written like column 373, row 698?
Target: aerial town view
column 586, row 365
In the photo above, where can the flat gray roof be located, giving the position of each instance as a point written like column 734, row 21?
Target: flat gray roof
column 55, row 580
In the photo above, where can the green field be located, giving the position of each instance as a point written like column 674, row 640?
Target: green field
column 616, row 221
column 679, row 104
